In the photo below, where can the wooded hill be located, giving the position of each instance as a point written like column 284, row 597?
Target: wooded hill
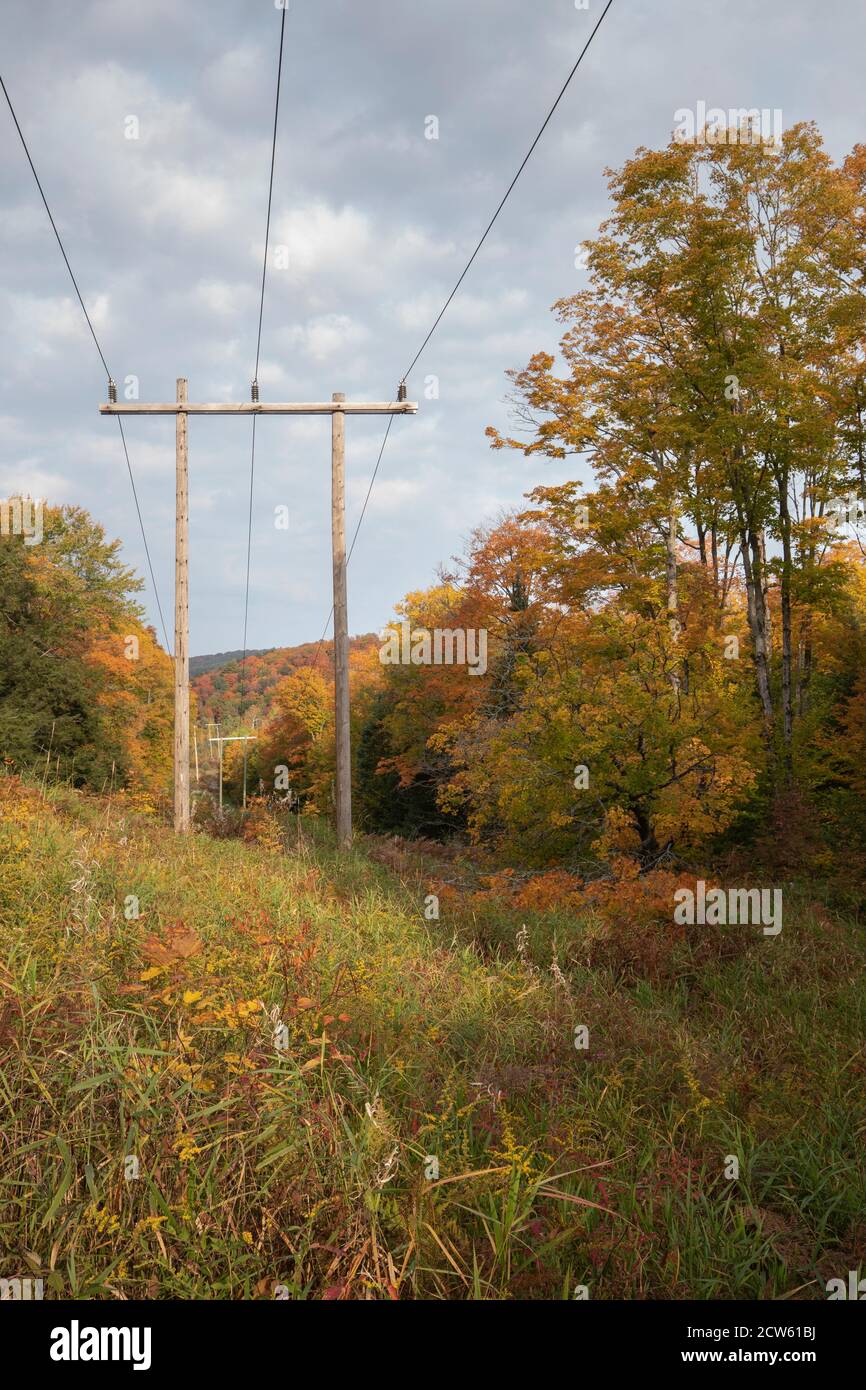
column 198, row 665
column 229, row 686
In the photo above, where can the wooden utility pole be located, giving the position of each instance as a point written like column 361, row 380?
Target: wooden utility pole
column 220, row 739
column 181, row 619
column 341, row 627
column 338, row 408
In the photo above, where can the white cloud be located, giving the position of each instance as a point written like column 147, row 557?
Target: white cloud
column 326, row 337
column 346, row 244
column 184, row 200
column 320, row 240
column 466, row 311
column 235, row 77
column 223, row 299
column 30, row 479
column 41, row 325
column 389, row 497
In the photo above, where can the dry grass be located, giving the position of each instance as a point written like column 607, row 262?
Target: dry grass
column 150, row 1042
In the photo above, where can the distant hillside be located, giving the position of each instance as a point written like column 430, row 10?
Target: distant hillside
column 198, row 665
column 218, row 686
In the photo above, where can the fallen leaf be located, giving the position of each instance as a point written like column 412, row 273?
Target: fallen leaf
column 180, row 943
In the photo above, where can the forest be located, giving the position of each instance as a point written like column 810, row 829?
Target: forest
column 86, row 690
column 676, row 643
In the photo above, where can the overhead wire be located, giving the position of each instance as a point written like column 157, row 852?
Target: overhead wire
column 462, row 277
column 258, row 354
column 98, row 349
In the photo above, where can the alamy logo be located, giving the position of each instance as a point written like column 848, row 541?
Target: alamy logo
column 856, row 1287
column 743, row 125
column 18, row 1290
column 76, row 1343
column 21, row 516
column 723, row 907
column 441, row 647
column 845, row 511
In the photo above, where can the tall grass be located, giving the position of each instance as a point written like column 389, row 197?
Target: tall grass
column 427, row 1127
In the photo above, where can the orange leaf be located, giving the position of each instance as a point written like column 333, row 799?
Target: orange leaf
column 181, row 942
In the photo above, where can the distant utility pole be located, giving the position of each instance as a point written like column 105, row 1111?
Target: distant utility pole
column 181, row 618
column 220, row 739
column 341, row 626
column 338, row 408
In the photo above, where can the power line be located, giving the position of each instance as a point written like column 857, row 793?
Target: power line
column 143, row 534
column 98, row 349
column 508, row 190
column 370, row 488
column 54, row 227
column 258, row 353
column 357, row 529
column 465, row 272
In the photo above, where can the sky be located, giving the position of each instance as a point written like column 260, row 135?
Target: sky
column 150, row 126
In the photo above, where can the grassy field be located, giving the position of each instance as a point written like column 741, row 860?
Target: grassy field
column 157, row 1142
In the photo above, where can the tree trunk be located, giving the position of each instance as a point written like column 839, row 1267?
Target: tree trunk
column 750, row 552
column 649, row 845
column 677, row 680
column 787, row 667
column 805, row 667
column 765, row 592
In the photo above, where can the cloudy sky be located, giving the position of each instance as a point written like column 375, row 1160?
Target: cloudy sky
column 165, row 234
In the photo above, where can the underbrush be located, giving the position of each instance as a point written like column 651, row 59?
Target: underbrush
column 253, row 1069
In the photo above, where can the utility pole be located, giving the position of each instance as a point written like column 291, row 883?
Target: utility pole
column 181, row 618
column 220, row 739
column 338, row 408
column 254, row 723
column 341, row 626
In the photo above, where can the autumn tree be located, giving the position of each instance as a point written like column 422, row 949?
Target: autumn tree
column 724, row 288
column 82, row 679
